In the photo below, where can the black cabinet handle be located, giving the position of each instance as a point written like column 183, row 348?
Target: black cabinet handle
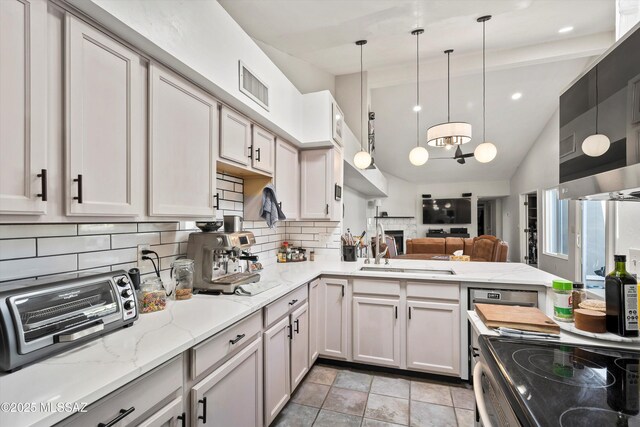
column 238, row 338
column 297, row 322
column 251, row 152
column 258, row 154
column 409, row 313
column 327, row 209
column 217, row 199
column 203, row 417
column 183, row 419
column 474, row 351
column 43, row 183
column 292, row 302
column 79, row 181
column 342, row 291
column 290, row 335
column 123, row 413
column 396, row 311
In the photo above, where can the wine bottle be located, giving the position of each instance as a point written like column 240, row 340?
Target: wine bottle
column 621, row 292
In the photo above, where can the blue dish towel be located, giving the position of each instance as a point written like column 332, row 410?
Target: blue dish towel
column 271, row 211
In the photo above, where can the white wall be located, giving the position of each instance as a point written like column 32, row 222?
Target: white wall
column 305, row 76
column 405, row 198
column 348, row 98
column 627, row 227
column 538, row 171
column 355, row 211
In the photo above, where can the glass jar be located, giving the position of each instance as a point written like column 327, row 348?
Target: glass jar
column 578, row 295
column 562, row 306
column 151, row 296
column 182, row 274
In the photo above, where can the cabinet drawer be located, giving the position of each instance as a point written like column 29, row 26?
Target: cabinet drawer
column 215, row 349
column 376, row 287
column 434, row 290
column 276, row 310
column 142, row 395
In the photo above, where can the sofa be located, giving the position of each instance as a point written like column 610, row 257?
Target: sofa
column 482, row 248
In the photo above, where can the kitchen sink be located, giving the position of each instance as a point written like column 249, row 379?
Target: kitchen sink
column 408, row 270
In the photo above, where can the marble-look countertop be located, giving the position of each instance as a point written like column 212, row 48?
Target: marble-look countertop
column 93, row 370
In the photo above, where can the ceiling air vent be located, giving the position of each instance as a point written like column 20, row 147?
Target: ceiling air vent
column 568, row 145
column 253, row 87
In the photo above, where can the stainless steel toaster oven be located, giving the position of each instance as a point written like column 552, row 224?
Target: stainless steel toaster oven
column 42, row 318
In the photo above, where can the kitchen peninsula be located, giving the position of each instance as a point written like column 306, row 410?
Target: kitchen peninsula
column 98, row 369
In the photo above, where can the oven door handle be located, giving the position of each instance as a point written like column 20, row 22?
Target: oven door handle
column 477, row 390
column 74, row 336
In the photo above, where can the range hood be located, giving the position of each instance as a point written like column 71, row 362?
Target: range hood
column 605, row 99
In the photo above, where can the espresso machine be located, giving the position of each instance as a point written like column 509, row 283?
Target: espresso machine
column 222, row 259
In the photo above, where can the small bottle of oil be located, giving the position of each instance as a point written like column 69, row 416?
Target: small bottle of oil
column 621, row 292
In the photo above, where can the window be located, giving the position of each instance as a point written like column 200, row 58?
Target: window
column 556, row 221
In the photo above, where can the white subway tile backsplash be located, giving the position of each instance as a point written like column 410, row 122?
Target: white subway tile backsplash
column 224, row 185
column 99, row 259
column 32, row 267
column 66, row 245
column 145, row 227
column 238, row 187
column 174, row 236
column 230, row 195
column 170, row 249
column 106, row 228
column 17, row 248
column 132, row 240
column 12, row 231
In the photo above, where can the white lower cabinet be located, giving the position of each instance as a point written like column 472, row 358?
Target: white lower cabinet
column 314, row 320
column 334, row 318
column 376, row 331
column 433, row 337
column 277, row 388
column 232, row 394
column 299, row 345
column 170, row 415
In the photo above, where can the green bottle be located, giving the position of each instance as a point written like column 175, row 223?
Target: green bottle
column 621, row 292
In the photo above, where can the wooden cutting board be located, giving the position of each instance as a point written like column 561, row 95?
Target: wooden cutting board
column 523, row 318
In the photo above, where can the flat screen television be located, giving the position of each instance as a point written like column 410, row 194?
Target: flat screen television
column 446, row 211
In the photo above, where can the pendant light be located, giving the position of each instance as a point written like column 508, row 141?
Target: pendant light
column 486, row 151
column 419, row 155
column 449, row 133
column 362, row 159
column 597, row 144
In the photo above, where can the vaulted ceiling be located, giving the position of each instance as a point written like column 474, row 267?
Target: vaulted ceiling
column 526, row 53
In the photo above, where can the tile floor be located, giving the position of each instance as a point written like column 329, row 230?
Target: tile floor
column 336, row 397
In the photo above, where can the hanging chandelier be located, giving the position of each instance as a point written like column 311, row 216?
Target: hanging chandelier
column 597, row 144
column 419, row 155
column 450, row 133
column 362, row 159
column 486, row 151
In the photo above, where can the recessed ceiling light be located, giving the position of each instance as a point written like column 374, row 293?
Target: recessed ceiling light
column 516, row 96
column 565, row 30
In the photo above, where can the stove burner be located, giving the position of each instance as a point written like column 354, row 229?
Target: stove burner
column 629, row 365
column 563, row 367
column 580, row 417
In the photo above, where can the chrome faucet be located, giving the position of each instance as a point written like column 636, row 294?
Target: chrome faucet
column 380, row 230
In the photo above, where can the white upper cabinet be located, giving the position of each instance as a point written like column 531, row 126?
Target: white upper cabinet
column 287, row 177
column 263, row 146
column 320, row 172
column 235, row 137
column 183, row 147
column 105, row 123
column 23, row 103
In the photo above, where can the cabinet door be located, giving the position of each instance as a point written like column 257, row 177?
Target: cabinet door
column 314, row 320
column 183, row 147
column 277, row 384
column 287, row 177
column 235, row 137
column 170, row 415
column 316, row 184
column 105, row 106
column 334, row 321
column 376, row 331
column 433, row 337
column 232, row 394
column 23, row 105
column 299, row 345
column 336, row 212
column 263, row 157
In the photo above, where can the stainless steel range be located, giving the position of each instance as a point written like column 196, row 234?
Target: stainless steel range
column 47, row 317
column 222, row 260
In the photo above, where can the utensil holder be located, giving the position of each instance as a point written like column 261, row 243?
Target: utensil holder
column 349, row 253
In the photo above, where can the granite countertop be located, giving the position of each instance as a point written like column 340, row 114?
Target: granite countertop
column 93, row 370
